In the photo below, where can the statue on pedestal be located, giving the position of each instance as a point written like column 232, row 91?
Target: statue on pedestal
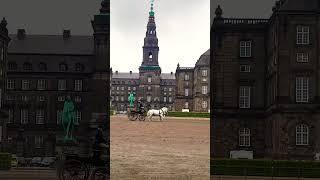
column 68, row 119
column 131, row 99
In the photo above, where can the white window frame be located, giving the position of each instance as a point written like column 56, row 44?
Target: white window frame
column 78, row 85
column 25, row 84
column 40, row 116
column 149, row 98
column 302, row 57
column 245, row 68
column 186, row 105
column 204, row 90
column 245, row 48
column 10, row 84
column 164, row 99
column 41, row 84
column 186, row 77
column 61, row 98
column 149, row 79
column 302, row 89
column 303, row 35
column 62, row 84
column 302, row 134
column 244, row 137
column 24, row 116
column 186, row 92
column 170, row 99
column 204, row 104
column 244, row 96
column 204, row 72
column 38, row 141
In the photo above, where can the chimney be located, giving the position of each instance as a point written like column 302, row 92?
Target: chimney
column 116, row 72
column 21, row 34
column 66, row 34
column 130, row 72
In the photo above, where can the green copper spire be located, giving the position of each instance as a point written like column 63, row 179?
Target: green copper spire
column 151, row 13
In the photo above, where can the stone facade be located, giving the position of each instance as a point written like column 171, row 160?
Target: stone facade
column 193, row 86
column 42, row 71
column 265, row 79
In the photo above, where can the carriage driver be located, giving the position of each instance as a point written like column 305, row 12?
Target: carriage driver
column 140, row 107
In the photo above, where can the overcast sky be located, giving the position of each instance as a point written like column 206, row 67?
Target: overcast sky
column 183, row 30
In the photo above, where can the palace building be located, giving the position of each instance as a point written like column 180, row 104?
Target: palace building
column 42, row 71
column 157, row 89
column 265, row 77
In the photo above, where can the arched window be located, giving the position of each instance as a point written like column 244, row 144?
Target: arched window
column 150, row 55
column 42, row 66
column 244, row 137
column 27, row 66
column 302, row 134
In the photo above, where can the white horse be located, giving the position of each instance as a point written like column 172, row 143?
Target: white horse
column 154, row 112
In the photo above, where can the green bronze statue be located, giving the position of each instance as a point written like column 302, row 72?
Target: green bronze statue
column 68, row 119
column 131, row 99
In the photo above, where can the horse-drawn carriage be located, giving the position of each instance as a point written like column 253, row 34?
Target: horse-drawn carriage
column 134, row 114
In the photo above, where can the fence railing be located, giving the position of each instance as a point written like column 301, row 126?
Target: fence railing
column 254, row 172
column 244, row 21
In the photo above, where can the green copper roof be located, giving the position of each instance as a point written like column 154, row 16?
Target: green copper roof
column 150, row 67
column 151, row 13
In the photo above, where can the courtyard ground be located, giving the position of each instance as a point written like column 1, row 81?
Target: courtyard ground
column 176, row 148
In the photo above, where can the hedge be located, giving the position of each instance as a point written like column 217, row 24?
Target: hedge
column 5, row 161
column 276, row 168
column 189, row 114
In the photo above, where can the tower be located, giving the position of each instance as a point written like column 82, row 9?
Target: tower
column 149, row 88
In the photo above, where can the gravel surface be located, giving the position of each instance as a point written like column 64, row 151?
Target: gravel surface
column 176, row 148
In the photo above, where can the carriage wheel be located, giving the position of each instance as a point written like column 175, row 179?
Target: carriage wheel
column 132, row 117
column 142, row 117
column 73, row 169
column 100, row 174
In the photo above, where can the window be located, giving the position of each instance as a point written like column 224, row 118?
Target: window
column 302, row 89
column 63, row 67
column 244, row 97
column 134, row 88
column 245, row 48
column 42, row 98
column 78, row 116
column 244, row 137
column 149, row 88
column 62, row 84
column 41, row 84
column 38, row 141
column 164, row 99
column 186, row 92
column 61, row 98
column 10, row 84
column 12, row 66
column 117, row 98
column 149, row 98
column 9, row 97
column 24, row 116
column 122, row 98
column 40, row 116
column 165, row 89
column 122, row 88
column 186, row 77
column 27, row 66
column 302, row 134
column 204, row 104
column 150, row 56
column 24, row 98
column 170, row 89
column 1, row 53
column 25, row 84
column 42, row 67
column 204, row 79
column 245, row 68
column 186, row 105
column 205, row 73
column 204, row 89
column 302, row 57
column 79, row 67
column 129, row 88
column 59, row 116
column 77, row 99
column 170, row 99
column 149, row 80
column 302, row 35
column 78, row 85
column 11, row 116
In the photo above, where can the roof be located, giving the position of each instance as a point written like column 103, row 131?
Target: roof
column 125, row 75
column 168, row 76
column 299, row 5
column 52, row 44
column 204, row 59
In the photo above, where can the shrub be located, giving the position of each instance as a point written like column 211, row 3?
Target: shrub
column 5, row 161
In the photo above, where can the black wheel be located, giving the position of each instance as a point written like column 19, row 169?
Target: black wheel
column 142, row 117
column 73, row 170
column 132, row 116
column 100, row 174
